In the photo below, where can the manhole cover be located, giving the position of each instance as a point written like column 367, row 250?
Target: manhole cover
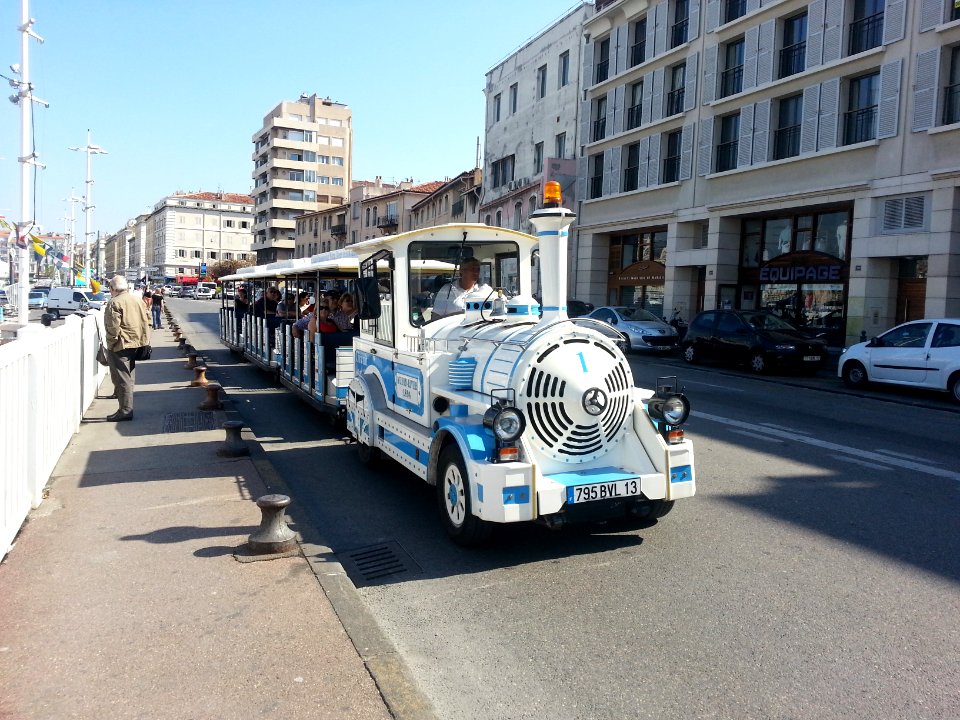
column 189, row 421
column 377, row 564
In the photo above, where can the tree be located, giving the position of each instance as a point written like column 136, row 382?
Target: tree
column 226, row 267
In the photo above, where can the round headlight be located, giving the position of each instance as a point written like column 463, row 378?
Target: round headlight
column 675, row 410
column 507, row 423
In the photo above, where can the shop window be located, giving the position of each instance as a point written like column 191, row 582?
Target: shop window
column 832, row 233
column 777, row 237
column 750, row 254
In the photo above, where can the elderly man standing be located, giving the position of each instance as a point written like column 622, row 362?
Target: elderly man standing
column 126, row 324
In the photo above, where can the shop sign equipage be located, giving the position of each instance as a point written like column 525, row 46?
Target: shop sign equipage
column 512, row 410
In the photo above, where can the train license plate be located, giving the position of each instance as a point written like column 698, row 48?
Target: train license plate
column 603, row 491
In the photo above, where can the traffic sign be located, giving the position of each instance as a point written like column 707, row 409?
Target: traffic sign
column 150, row 269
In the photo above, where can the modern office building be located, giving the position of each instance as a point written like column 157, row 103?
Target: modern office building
column 531, row 131
column 802, row 157
column 183, row 232
column 302, row 163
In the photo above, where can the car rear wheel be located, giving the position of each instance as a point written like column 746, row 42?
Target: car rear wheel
column 758, row 362
column 953, row 385
column 854, row 375
column 55, row 313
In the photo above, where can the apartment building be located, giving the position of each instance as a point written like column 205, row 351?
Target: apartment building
column 531, row 129
column 183, row 232
column 302, row 163
column 797, row 156
column 456, row 200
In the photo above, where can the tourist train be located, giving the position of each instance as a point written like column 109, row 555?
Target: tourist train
column 512, row 410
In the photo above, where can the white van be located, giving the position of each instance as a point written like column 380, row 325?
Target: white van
column 66, row 300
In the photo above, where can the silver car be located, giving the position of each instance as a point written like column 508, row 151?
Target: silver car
column 642, row 329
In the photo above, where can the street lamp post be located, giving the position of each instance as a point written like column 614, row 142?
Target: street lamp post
column 88, row 205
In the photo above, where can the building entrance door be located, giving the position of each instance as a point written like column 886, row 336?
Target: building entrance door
column 911, row 298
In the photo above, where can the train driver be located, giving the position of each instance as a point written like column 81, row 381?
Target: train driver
column 449, row 299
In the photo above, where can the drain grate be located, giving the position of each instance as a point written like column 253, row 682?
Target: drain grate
column 189, row 421
column 377, row 564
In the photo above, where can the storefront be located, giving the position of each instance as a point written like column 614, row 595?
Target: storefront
column 637, row 270
column 796, row 266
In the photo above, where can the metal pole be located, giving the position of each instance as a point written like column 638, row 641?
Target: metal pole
column 87, row 208
column 26, row 160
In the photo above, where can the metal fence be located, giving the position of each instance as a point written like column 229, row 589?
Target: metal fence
column 48, row 377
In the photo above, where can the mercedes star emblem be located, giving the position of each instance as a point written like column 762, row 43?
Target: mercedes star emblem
column 595, row 401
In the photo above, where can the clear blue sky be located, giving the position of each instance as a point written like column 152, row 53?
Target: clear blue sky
column 175, row 89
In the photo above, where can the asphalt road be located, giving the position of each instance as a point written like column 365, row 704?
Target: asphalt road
column 815, row 574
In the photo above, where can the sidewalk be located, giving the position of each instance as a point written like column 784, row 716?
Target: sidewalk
column 123, row 597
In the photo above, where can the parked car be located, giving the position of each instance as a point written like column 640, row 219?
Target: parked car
column 576, row 308
column 187, row 291
column 921, row 353
column 66, row 300
column 203, row 293
column 643, row 330
column 37, row 299
column 758, row 339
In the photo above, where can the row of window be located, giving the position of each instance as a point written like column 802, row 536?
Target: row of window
column 332, row 122
column 308, row 136
column 503, row 171
column 540, row 86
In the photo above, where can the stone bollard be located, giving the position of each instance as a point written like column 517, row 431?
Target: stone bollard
column 191, row 360
column 273, row 536
column 182, row 344
column 233, row 446
column 199, row 376
column 212, row 401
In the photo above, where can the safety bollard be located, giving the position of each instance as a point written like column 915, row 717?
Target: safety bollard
column 273, row 536
column 191, row 360
column 233, row 446
column 182, row 344
column 212, row 401
column 199, row 376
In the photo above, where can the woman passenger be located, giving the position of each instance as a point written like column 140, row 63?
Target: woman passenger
column 345, row 314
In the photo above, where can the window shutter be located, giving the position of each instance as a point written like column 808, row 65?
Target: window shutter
column 894, row 20
column 618, row 103
column 623, row 45
column 705, row 147
column 913, row 212
column 693, row 24
column 904, row 214
column 585, row 115
column 612, row 111
column 646, row 99
column 653, row 167
column 925, row 90
column 690, row 91
column 582, row 178
column 829, row 105
column 752, row 5
column 710, row 72
column 765, row 52
column 686, row 152
column 832, row 30
column 642, row 171
column 751, row 42
column 656, row 96
column 745, row 144
column 808, row 126
column 651, row 50
column 931, row 14
column 660, row 38
column 611, row 175
column 888, row 120
column 815, row 11
column 713, row 15
column 761, row 131
column 588, row 66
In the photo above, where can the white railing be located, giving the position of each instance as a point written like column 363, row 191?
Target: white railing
column 48, row 378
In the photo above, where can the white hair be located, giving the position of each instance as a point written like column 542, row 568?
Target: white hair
column 118, row 282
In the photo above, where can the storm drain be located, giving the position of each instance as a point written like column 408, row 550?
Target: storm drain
column 189, row 421
column 377, row 564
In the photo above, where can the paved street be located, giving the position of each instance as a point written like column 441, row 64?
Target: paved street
column 815, row 575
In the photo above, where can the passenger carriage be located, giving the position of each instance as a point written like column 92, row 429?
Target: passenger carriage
column 511, row 409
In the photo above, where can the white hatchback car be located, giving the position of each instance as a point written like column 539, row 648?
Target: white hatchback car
column 203, row 293
column 921, row 353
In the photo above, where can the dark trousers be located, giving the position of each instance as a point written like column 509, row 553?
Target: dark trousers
column 156, row 317
column 122, row 373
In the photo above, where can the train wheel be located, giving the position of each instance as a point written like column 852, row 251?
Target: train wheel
column 368, row 455
column 453, row 497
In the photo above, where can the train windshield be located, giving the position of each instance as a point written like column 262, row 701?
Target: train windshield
column 441, row 274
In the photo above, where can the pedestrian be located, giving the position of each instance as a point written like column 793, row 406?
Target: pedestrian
column 127, row 330
column 241, row 306
column 156, row 300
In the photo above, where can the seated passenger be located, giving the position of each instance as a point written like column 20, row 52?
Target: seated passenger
column 320, row 322
column 449, row 299
column 345, row 314
column 303, row 323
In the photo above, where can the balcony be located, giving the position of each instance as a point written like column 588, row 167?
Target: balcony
column 727, row 155
column 387, row 221
column 951, row 104
column 734, row 9
column 603, row 71
column 678, row 33
column 866, row 33
column 596, row 187
column 731, row 81
column 633, row 117
column 860, row 125
column 786, row 142
column 638, row 53
column 671, row 168
column 599, row 130
column 793, row 59
column 631, row 179
column 675, row 102
column 338, row 229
